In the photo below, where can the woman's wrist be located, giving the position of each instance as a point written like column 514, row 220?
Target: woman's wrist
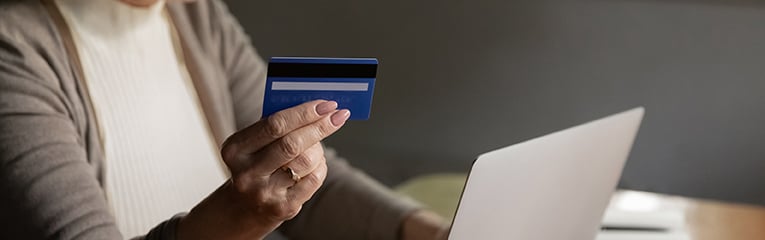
column 220, row 216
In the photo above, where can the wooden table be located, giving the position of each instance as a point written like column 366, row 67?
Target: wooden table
column 708, row 220
column 705, row 220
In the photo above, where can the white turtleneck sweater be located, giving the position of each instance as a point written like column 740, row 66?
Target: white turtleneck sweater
column 160, row 157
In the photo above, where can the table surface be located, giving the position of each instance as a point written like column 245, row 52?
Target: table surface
column 704, row 219
column 708, row 220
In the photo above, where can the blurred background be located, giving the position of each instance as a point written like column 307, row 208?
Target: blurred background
column 459, row 78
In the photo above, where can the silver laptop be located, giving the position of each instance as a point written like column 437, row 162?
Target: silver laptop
column 554, row 187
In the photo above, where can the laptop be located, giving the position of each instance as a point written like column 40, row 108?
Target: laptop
column 555, row 187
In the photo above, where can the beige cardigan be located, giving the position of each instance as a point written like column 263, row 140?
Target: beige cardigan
column 51, row 156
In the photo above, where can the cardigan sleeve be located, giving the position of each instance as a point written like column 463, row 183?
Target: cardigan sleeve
column 48, row 189
column 350, row 204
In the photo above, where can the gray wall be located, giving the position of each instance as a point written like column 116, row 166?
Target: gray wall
column 458, row 78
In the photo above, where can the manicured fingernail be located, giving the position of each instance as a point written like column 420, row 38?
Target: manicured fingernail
column 326, row 107
column 340, row 117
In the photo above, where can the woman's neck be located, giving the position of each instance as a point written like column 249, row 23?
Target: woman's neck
column 140, row 3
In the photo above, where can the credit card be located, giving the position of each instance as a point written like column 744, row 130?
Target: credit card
column 292, row 81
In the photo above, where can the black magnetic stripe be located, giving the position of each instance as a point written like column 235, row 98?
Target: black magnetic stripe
column 322, row 70
column 641, row 229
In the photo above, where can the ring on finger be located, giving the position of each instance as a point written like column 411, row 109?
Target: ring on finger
column 295, row 177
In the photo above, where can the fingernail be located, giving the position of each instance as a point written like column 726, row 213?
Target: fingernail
column 326, row 107
column 340, row 117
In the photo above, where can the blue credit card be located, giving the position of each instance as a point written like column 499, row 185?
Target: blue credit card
column 295, row 80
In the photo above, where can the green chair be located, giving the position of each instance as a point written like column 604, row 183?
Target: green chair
column 440, row 192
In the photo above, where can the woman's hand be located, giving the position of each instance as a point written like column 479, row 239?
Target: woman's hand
column 276, row 165
column 424, row 225
column 263, row 158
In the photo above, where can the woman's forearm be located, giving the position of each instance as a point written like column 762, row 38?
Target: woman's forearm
column 424, row 225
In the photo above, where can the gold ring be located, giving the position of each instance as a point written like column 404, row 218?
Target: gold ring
column 295, row 177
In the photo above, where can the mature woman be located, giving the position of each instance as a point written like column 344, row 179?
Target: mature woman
column 111, row 117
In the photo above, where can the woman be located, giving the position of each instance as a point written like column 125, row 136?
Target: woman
column 111, row 114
